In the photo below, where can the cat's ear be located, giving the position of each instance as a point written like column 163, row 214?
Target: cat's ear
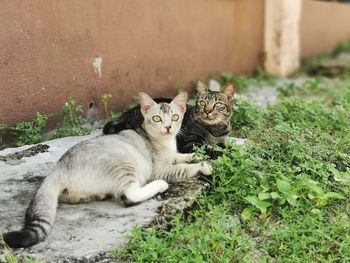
column 180, row 101
column 146, row 102
column 201, row 87
column 229, row 91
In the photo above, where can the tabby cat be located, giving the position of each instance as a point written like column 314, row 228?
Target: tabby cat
column 131, row 166
column 207, row 123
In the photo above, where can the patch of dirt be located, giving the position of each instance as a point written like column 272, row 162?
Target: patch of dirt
column 179, row 197
column 102, row 257
column 15, row 158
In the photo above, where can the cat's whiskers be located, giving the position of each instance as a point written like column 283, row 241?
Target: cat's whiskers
column 225, row 122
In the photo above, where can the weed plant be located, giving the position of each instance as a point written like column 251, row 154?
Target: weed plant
column 30, row 132
column 110, row 115
column 73, row 122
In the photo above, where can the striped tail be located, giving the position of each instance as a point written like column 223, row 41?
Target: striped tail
column 39, row 217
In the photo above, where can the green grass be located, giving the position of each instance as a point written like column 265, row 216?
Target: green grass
column 214, row 233
column 282, row 198
column 30, row 132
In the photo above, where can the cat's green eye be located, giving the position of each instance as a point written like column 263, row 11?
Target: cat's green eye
column 218, row 104
column 156, row 118
column 175, row 117
column 202, row 103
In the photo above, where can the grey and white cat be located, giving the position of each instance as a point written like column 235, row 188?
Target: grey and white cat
column 130, row 166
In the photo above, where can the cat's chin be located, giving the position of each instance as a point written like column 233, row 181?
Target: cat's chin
column 209, row 121
column 167, row 134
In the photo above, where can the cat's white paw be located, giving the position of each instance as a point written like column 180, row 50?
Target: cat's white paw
column 195, row 158
column 206, row 168
column 162, row 185
column 235, row 141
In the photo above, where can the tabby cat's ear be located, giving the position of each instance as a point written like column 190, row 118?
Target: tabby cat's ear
column 146, row 102
column 180, row 101
column 229, row 91
column 201, row 87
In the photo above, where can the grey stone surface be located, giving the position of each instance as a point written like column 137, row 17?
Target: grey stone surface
column 267, row 94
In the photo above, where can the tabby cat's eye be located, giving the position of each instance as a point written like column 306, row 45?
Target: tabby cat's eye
column 175, row 117
column 156, row 118
column 202, row 103
column 222, row 108
column 218, row 104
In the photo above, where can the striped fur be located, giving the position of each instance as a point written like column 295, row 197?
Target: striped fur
column 130, row 166
column 207, row 123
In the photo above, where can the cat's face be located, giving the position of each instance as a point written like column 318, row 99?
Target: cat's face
column 163, row 120
column 213, row 107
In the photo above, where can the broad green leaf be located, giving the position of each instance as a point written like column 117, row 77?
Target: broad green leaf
column 343, row 177
column 260, row 204
column 274, row 195
column 283, row 186
column 323, row 200
column 333, row 195
column 264, row 196
column 313, row 186
column 250, row 181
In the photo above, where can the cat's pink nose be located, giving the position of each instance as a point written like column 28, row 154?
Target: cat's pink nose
column 207, row 111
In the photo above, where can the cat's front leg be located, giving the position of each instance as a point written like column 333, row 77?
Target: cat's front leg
column 178, row 172
column 205, row 168
column 186, row 157
column 135, row 194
